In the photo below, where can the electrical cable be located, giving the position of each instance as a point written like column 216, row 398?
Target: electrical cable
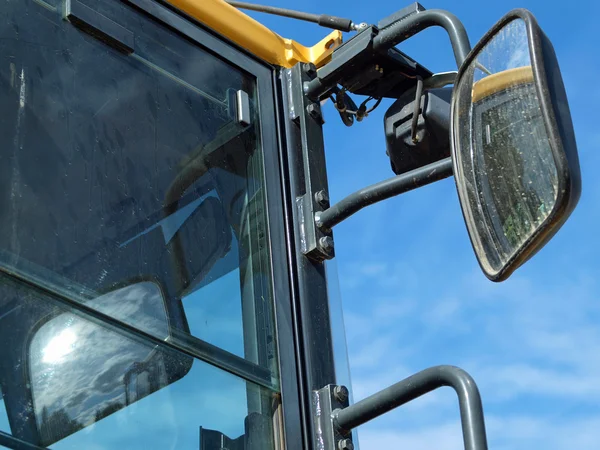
column 324, row 20
column 417, row 111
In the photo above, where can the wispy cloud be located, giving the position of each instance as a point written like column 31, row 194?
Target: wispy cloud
column 504, row 433
column 529, row 345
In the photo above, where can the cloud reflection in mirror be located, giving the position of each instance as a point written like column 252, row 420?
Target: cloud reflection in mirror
column 82, row 372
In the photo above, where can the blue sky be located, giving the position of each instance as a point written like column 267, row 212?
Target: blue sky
column 413, row 294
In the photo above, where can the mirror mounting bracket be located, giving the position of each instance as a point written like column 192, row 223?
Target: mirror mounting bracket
column 335, row 419
column 383, row 190
column 371, row 44
column 305, row 122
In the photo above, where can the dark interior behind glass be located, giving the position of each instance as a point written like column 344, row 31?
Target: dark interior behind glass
column 119, row 168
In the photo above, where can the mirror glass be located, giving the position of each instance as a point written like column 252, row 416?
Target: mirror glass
column 81, row 371
column 504, row 159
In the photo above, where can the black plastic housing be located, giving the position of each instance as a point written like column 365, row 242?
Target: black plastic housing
column 433, row 126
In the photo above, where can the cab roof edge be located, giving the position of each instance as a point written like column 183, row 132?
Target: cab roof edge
column 251, row 35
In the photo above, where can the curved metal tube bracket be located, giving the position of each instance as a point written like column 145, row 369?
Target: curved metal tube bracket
column 382, row 191
column 344, row 419
column 355, row 54
column 407, row 27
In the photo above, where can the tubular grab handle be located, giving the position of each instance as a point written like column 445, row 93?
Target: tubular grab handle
column 403, row 29
column 471, row 410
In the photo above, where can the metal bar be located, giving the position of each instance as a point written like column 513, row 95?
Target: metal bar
column 249, row 34
column 8, row 441
column 382, row 191
column 180, row 341
column 471, row 410
column 417, row 111
column 302, row 135
column 325, row 20
column 284, row 12
column 413, row 24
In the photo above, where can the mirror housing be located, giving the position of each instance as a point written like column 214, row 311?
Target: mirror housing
column 518, row 187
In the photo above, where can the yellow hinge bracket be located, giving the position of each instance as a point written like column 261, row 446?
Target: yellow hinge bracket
column 255, row 37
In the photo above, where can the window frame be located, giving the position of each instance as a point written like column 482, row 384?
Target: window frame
column 293, row 419
column 298, row 286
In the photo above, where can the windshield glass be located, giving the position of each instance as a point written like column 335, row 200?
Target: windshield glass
column 132, row 216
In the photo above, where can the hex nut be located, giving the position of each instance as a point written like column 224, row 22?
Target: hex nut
column 314, row 111
column 341, row 393
column 310, row 69
column 322, row 198
column 326, row 243
column 345, row 444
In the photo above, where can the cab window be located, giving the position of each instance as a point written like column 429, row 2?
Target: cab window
column 136, row 307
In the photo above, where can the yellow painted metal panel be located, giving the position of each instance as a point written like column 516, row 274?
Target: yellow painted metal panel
column 255, row 37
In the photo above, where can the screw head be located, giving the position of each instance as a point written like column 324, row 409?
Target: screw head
column 326, row 243
column 341, row 393
column 345, row 444
column 310, row 69
column 314, row 110
column 322, row 198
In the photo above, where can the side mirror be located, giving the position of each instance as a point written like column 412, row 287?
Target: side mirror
column 513, row 146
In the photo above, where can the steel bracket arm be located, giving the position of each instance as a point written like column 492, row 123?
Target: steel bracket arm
column 407, row 27
column 360, row 50
column 336, row 419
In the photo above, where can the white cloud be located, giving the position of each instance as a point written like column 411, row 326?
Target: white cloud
column 529, row 345
column 504, row 433
column 442, row 437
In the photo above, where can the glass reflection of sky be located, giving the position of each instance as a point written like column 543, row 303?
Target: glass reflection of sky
column 214, row 313
column 509, row 49
column 4, row 425
column 59, row 347
column 206, row 396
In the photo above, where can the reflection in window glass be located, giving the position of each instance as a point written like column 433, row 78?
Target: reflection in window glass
column 96, row 386
column 4, row 425
column 118, row 168
column 132, row 212
column 213, row 320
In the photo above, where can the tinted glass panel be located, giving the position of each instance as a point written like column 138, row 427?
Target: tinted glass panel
column 119, row 167
column 132, row 213
column 88, row 390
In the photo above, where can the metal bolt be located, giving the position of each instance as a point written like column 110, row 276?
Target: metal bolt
column 310, row 69
column 341, row 393
column 322, row 198
column 315, row 112
column 359, row 26
column 326, row 243
column 345, row 444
